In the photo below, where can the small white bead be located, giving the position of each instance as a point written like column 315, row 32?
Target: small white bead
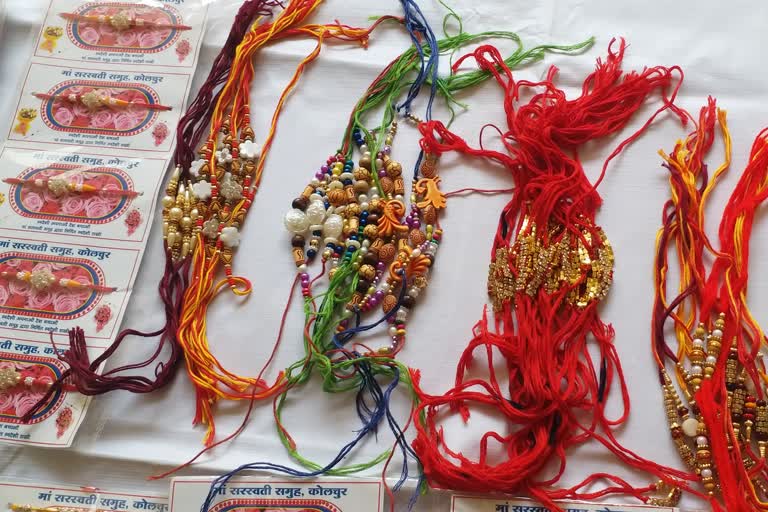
column 711, row 360
column 414, row 291
column 717, row 333
column 364, row 148
column 362, row 198
column 702, row 441
column 393, row 331
column 374, row 196
column 366, row 243
column 302, row 268
column 364, row 205
column 385, row 287
column 367, row 153
column 363, row 251
column 315, row 197
column 416, row 253
column 706, row 473
column 696, row 369
column 399, row 197
column 314, row 182
column 697, row 343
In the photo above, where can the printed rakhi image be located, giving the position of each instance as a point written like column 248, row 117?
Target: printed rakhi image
column 124, row 32
column 28, row 370
column 111, row 110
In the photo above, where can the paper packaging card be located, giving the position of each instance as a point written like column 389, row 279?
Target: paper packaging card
column 483, row 504
column 27, row 312
column 56, row 424
column 60, row 122
column 146, row 47
column 35, row 210
column 276, row 495
column 79, row 498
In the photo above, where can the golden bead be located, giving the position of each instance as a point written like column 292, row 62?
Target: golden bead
column 394, row 169
column 371, row 231
column 186, row 222
column 367, row 272
column 176, row 213
column 167, row 201
column 361, row 174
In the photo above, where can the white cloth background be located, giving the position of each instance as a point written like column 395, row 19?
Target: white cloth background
column 127, row 437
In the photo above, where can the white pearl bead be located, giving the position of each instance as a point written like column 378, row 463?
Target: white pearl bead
column 296, row 221
column 696, row 369
column 706, row 473
column 363, row 251
column 333, row 226
column 315, row 197
column 316, row 212
column 367, row 153
column 362, row 198
column 335, row 184
column 702, row 441
column 364, row 205
column 374, row 196
column 364, row 148
column 385, row 287
column 717, row 333
column 399, row 197
column 690, row 427
column 414, row 291
column 416, row 253
column 366, row 243
column 392, row 331
column 697, row 343
column 712, row 360
column 302, row 268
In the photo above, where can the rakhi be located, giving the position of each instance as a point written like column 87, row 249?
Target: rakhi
column 716, row 405
column 11, row 378
column 122, row 20
column 61, row 185
column 43, row 278
column 225, row 183
column 334, row 203
column 551, row 265
column 83, row 372
column 93, row 101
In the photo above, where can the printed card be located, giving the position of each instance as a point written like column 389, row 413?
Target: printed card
column 49, row 288
column 484, row 504
column 81, row 499
column 159, row 34
column 108, row 111
column 38, row 195
column 278, row 495
column 26, row 369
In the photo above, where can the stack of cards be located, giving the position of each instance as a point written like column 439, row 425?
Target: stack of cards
column 80, row 172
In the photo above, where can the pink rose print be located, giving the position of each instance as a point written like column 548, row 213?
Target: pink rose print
column 66, row 302
column 90, row 35
column 124, row 122
column 64, row 116
column 72, row 205
column 25, row 401
column 96, row 207
column 183, row 48
column 42, row 266
column 40, row 300
column 102, row 316
column 33, row 201
column 79, row 109
column 160, row 133
column 133, row 221
column 4, row 294
column 149, row 38
column 102, row 119
column 63, row 421
column 19, row 288
column 127, row 37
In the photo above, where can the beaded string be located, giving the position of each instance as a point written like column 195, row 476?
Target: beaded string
column 224, row 187
column 343, row 369
column 551, row 265
column 716, row 410
column 84, row 373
